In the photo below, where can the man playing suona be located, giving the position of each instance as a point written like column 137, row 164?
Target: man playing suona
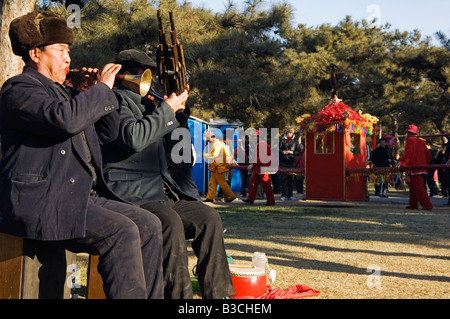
column 51, row 177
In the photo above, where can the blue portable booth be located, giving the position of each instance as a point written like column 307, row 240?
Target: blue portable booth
column 197, row 128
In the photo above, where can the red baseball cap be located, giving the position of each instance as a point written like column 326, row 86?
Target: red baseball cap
column 413, row 129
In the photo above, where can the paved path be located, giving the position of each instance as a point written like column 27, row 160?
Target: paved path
column 399, row 199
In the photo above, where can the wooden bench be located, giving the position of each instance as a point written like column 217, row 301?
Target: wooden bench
column 94, row 280
column 11, row 262
column 38, row 270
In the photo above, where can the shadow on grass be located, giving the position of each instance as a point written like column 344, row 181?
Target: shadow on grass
column 285, row 226
column 287, row 260
column 350, row 223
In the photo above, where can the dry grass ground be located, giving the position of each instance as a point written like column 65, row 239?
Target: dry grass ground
column 338, row 247
column 334, row 247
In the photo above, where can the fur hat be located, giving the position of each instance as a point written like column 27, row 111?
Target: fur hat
column 36, row 29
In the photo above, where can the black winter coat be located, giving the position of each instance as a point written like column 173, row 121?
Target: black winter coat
column 381, row 157
column 45, row 180
column 135, row 164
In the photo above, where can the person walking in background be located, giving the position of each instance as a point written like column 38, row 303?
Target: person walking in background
column 381, row 157
column 228, row 175
column 218, row 167
column 299, row 163
column 287, row 160
column 430, row 176
column 416, row 154
column 243, row 148
column 263, row 159
column 447, row 171
column 399, row 177
column 442, row 177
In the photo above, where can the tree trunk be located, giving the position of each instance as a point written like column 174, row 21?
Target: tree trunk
column 394, row 124
column 441, row 128
column 10, row 64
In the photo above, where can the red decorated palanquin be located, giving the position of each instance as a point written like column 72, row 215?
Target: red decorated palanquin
column 335, row 141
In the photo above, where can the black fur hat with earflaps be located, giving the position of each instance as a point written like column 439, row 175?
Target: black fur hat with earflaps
column 36, row 29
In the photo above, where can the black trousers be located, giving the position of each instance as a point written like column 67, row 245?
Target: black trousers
column 129, row 242
column 183, row 220
column 244, row 182
column 287, row 185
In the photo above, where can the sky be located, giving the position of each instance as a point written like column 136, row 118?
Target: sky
column 428, row 16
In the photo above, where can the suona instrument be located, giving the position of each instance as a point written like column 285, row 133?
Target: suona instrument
column 142, row 82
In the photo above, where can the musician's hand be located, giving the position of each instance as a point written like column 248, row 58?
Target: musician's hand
column 91, row 75
column 108, row 74
column 177, row 102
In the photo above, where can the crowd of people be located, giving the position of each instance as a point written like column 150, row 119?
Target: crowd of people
column 291, row 152
column 90, row 170
column 435, row 180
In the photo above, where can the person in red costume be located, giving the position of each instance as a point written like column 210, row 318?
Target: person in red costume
column 416, row 154
column 264, row 158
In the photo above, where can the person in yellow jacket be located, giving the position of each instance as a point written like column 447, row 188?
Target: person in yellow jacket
column 218, row 168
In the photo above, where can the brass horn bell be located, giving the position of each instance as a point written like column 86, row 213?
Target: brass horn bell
column 142, row 81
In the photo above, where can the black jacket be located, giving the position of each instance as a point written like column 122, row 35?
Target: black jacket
column 135, row 165
column 288, row 160
column 45, row 179
column 381, row 157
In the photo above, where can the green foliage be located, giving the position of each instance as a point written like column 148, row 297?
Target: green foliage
column 254, row 65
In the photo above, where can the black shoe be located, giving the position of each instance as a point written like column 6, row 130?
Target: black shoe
column 230, row 200
column 247, row 201
column 208, row 201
